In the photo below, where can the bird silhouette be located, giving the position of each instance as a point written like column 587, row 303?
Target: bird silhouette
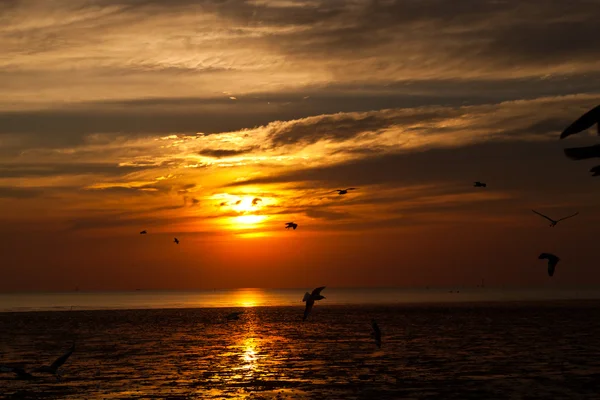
column 20, row 372
column 552, row 261
column 479, row 184
column 583, row 153
column 176, row 241
column 53, row 368
column 342, row 191
column 310, row 299
column 584, row 122
column 595, row 170
column 376, row 333
column 143, row 232
column 552, row 221
column 256, row 200
column 234, row 316
column 289, row 225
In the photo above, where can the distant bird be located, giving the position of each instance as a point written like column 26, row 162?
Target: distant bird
column 234, row 316
column 310, row 299
column 20, row 372
column 256, row 200
column 376, row 333
column 552, row 261
column 552, row 221
column 143, row 232
column 479, row 184
column 584, row 122
column 176, row 241
column 342, row 191
column 289, row 225
column 237, row 203
column 53, row 368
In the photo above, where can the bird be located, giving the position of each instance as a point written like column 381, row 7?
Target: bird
column 234, row 316
column 289, row 225
column 176, row 241
column 342, row 191
column 595, row 170
column 552, row 221
column 53, row 368
column 20, row 372
column 583, row 153
column 479, row 184
column 256, row 200
column 552, row 261
column 143, row 232
column 584, row 122
column 376, row 333
column 310, row 299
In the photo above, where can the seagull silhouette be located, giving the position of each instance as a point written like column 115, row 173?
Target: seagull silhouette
column 289, row 225
column 584, row 122
column 479, row 184
column 552, row 261
column 310, row 299
column 53, row 368
column 256, row 200
column 342, row 191
column 234, row 316
column 376, row 333
column 176, row 241
column 143, row 232
column 552, row 221
column 20, row 372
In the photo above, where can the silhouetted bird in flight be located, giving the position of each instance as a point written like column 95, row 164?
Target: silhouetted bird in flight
column 143, row 232
column 20, row 372
column 595, row 170
column 376, row 333
column 256, row 200
column 552, row 261
column 552, row 221
column 176, row 241
column 582, row 123
column 310, row 299
column 53, row 368
column 479, row 184
column 289, row 225
column 342, row 191
column 234, row 316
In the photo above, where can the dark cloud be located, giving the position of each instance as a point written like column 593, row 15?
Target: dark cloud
column 49, row 169
column 327, row 215
column 20, row 193
column 221, row 153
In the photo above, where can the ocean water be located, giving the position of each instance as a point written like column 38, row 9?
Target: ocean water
column 251, row 297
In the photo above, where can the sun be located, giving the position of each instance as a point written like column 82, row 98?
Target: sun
column 244, row 204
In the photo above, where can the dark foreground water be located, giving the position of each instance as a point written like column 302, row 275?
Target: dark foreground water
column 545, row 350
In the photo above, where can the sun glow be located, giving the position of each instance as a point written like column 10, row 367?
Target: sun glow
column 249, row 297
column 249, row 219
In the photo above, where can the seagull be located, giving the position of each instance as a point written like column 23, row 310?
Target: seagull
column 376, row 333
column 176, row 241
column 256, row 200
column 143, row 232
column 234, row 316
column 20, row 372
column 53, row 368
column 342, row 191
column 552, row 261
column 479, row 184
column 289, row 225
column 552, row 221
column 310, row 299
column 584, row 122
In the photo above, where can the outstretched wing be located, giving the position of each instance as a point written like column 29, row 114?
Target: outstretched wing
column 569, row 216
column 350, row 189
column 552, row 265
column 542, row 215
column 583, row 153
column 582, row 123
column 306, row 296
column 309, row 306
column 317, row 291
column 62, row 359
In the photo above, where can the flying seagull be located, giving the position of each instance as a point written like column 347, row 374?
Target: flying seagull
column 376, row 333
column 582, row 123
column 289, row 225
column 479, row 184
column 176, row 241
column 256, row 200
column 552, row 221
column 234, row 316
column 342, row 191
column 20, row 372
column 53, row 368
column 552, row 261
column 143, row 232
column 310, row 299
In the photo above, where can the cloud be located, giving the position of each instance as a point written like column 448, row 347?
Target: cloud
column 221, row 153
column 23, row 170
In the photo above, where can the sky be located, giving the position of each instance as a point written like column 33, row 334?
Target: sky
column 218, row 121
